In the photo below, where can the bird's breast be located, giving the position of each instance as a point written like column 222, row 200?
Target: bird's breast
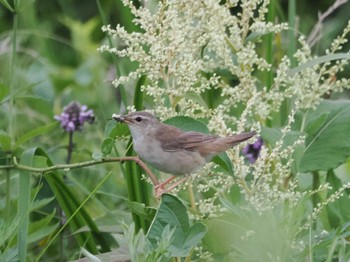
column 180, row 162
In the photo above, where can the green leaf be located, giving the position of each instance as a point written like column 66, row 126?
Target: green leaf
column 5, row 141
column 141, row 210
column 35, row 132
column 8, row 229
column 173, row 214
column 7, row 5
column 315, row 123
column 329, row 145
column 224, row 162
column 24, row 204
column 317, row 61
column 256, row 36
column 137, row 187
column 196, row 98
column 4, row 91
column 186, row 124
column 41, row 228
column 107, row 146
column 138, row 95
column 116, row 130
column 41, row 203
column 194, row 236
column 338, row 211
column 222, row 233
column 272, row 135
column 69, row 203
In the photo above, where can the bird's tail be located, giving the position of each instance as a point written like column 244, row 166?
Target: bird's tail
column 235, row 140
column 221, row 144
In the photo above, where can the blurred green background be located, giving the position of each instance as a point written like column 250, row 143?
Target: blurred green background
column 57, row 62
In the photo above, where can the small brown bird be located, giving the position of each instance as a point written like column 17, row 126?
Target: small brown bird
column 172, row 150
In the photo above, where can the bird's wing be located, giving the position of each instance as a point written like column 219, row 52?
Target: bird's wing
column 184, row 140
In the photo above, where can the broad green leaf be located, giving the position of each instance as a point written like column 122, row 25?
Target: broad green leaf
column 224, row 162
column 5, row 141
column 172, row 214
column 338, row 211
column 39, row 161
column 186, row 124
column 329, row 145
column 141, row 210
column 107, row 146
column 221, row 235
column 194, row 236
column 272, row 135
column 196, row 98
column 315, row 123
column 35, row 132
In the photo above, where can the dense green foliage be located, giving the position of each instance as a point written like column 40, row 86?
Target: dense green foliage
column 49, row 57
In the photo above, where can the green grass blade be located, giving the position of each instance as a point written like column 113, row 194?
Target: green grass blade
column 268, row 43
column 121, row 88
column 35, row 132
column 317, row 61
column 24, row 205
column 75, row 213
column 292, row 6
column 70, row 204
column 137, row 188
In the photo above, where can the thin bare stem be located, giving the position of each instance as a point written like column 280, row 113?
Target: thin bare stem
column 138, row 161
column 191, row 197
column 70, row 147
column 315, row 34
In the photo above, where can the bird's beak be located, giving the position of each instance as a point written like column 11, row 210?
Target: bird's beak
column 122, row 119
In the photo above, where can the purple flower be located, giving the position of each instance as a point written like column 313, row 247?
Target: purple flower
column 74, row 116
column 252, row 151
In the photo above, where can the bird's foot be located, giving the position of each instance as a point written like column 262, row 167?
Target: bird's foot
column 160, row 189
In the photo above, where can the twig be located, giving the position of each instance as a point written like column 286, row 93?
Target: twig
column 67, row 167
column 70, row 147
column 315, row 34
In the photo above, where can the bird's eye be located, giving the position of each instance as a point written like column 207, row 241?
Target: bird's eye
column 138, row 119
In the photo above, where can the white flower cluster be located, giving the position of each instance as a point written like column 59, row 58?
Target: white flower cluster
column 317, row 210
column 181, row 48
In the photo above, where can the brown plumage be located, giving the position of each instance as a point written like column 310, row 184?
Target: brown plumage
column 172, row 150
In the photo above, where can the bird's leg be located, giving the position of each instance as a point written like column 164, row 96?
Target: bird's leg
column 163, row 184
column 161, row 190
column 153, row 178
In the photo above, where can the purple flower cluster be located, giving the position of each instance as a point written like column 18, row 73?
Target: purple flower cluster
column 252, row 151
column 74, row 116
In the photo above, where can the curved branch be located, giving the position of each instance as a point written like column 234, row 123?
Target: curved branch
column 137, row 160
